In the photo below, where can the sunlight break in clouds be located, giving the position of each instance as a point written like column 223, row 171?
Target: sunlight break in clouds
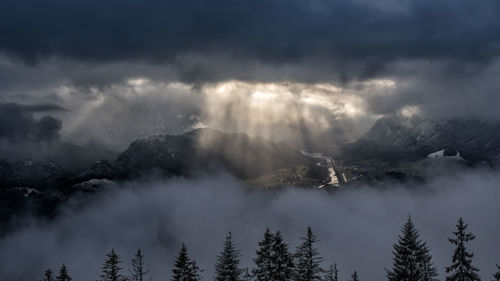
column 140, row 107
column 269, row 110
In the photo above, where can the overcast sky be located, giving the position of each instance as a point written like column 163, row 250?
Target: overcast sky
column 126, row 69
column 117, row 70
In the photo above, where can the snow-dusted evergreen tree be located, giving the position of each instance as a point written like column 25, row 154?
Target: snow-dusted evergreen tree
column 228, row 262
column 462, row 268
column 332, row 273
column 496, row 275
column 405, row 265
column 307, row 259
column 412, row 260
column 246, row 276
column 139, row 272
column 354, row 276
column 111, row 267
column 63, row 274
column 429, row 271
column 273, row 260
column 263, row 269
column 48, row 275
column 282, row 268
column 185, row 269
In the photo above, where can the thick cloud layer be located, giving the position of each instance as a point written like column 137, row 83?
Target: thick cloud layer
column 356, row 227
column 18, row 122
column 441, row 58
column 273, row 31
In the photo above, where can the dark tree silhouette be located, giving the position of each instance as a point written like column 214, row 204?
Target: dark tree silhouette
column 263, row 269
column 307, row 259
column 139, row 272
column 63, row 274
column 111, row 267
column 228, row 262
column 185, row 269
column 462, row 268
column 273, row 260
column 412, row 258
column 282, row 268
column 246, row 276
column 429, row 271
column 354, row 276
column 332, row 273
column 496, row 275
column 48, row 275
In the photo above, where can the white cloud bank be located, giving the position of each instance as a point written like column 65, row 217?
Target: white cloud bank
column 356, row 227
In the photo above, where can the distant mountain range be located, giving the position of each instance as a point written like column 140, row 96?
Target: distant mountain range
column 194, row 153
column 202, row 151
column 53, row 166
column 198, row 152
column 40, row 185
column 408, row 139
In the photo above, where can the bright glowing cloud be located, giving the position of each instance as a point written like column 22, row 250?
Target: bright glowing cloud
column 284, row 111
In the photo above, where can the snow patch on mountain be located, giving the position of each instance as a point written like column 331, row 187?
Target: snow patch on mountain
column 437, row 154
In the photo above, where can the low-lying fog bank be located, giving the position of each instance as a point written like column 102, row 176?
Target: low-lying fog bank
column 356, row 228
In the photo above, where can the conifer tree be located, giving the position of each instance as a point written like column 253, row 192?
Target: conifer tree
column 282, row 267
column 429, row 271
column 412, row 260
column 111, row 267
column 332, row 273
column 247, row 276
column 307, row 263
column 63, row 274
column 496, row 275
column 227, row 266
column 48, row 275
column 185, row 269
column 354, row 276
column 263, row 269
column 462, row 268
column 139, row 273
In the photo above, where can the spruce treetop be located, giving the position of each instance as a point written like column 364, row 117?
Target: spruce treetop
column 48, row 275
column 185, row 269
column 111, row 267
column 496, row 275
column 461, row 268
column 227, row 266
column 281, row 259
column 354, row 276
column 412, row 259
column 139, row 273
column 263, row 269
column 307, row 265
column 63, row 274
column 332, row 273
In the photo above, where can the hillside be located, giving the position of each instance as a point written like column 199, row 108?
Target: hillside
column 409, row 139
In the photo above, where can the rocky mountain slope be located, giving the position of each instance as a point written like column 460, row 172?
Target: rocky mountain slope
column 409, row 139
column 39, row 186
column 199, row 151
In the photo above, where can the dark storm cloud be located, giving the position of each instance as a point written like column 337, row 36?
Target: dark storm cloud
column 441, row 55
column 18, row 122
column 274, row 31
column 442, row 90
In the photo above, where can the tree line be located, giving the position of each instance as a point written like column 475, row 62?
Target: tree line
column 274, row 261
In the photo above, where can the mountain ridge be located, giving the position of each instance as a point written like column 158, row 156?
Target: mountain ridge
column 397, row 138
